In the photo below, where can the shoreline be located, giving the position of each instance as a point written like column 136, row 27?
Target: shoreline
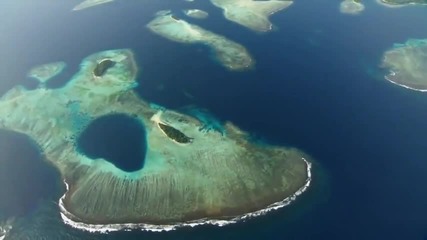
column 106, row 228
column 404, row 86
column 398, row 5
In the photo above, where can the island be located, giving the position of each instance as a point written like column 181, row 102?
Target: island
column 217, row 177
column 401, row 3
column 102, row 67
column 174, row 134
column 196, row 13
column 45, row 72
column 251, row 13
column 90, row 3
column 229, row 53
column 407, row 64
column 352, row 7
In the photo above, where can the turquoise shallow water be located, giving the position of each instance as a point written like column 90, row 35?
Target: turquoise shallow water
column 316, row 86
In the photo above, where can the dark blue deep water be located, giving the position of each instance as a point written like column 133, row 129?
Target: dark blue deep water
column 25, row 179
column 316, row 78
column 117, row 138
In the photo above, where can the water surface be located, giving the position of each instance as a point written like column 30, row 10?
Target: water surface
column 316, row 78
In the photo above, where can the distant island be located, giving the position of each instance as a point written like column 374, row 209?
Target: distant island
column 250, row 13
column 229, row 53
column 407, row 64
column 191, row 175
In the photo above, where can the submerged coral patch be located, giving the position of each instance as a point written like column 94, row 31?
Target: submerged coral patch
column 352, row 7
column 45, row 72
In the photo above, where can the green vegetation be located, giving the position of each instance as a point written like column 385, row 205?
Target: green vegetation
column 102, row 67
column 175, row 134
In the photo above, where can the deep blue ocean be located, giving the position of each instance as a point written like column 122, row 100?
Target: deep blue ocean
column 316, row 86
